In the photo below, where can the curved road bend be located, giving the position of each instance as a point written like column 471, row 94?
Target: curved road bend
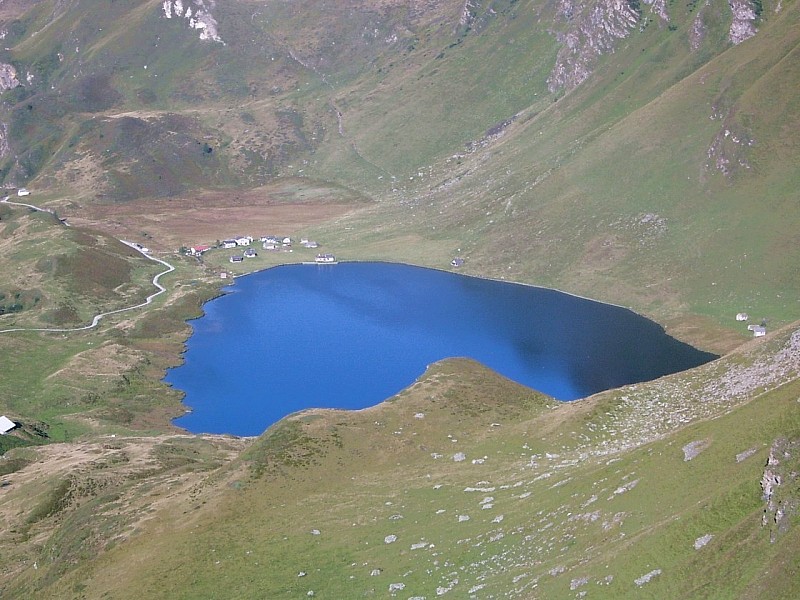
column 97, row 318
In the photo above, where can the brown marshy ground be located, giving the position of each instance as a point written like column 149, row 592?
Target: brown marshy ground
column 280, row 209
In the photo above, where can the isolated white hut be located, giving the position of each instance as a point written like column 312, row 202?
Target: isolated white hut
column 6, row 425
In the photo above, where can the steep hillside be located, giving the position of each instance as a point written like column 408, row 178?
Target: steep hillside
column 643, row 153
column 124, row 103
column 636, row 152
column 52, row 275
column 669, row 169
column 465, row 484
column 639, row 197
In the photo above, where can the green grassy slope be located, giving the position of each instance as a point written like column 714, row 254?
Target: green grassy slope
column 59, row 385
column 470, row 484
column 52, row 275
column 666, row 181
column 665, row 173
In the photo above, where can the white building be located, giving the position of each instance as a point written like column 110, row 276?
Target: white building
column 6, row 425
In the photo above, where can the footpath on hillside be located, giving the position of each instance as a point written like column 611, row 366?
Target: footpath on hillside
column 96, row 319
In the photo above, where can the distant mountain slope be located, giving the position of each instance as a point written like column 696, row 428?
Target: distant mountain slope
column 621, row 191
column 640, row 152
column 403, row 82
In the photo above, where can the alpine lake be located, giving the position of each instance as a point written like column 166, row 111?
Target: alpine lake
column 351, row 335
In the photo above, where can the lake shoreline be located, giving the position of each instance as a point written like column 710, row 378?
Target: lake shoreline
column 443, row 270
column 437, row 299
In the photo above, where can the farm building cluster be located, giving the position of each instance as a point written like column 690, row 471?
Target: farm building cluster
column 758, row 330
column 269, row 243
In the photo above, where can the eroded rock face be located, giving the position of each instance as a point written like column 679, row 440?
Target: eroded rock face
column 8, row 77
column 4, row 148
column 698, row 31
column 593, row 31
column 728, row 153
column 197, row 13
column 744, row 18
column 778, row 484
column 659, row 8
column 467, row 13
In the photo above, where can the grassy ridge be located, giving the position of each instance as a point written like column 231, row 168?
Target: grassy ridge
column 56, row 276
column 346, row 504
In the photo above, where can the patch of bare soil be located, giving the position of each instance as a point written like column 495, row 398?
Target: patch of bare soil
column 13, row 9
column 167, row 224
column 136, row 474
column 108, row 360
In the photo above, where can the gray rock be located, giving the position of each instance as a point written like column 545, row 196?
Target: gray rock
column 647, row 577
column 702, row 541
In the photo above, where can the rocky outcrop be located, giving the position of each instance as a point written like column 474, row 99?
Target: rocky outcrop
column 197, row 13
column 779, row 484
column 592, row 31
column 8, row 77
column 743, row 25
column 467, row 13
column 728, row 152
column 697, row 33
column 658, row 8
column 692, row 449
column 4, row 148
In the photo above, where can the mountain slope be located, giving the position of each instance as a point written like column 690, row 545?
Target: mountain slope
column 465, row 484
column 57, row 276
column 631, row 152
column 643, row 153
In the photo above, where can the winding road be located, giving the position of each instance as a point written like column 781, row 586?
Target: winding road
column 97, row 318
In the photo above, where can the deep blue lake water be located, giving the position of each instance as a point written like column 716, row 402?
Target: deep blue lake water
column 353, row 334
